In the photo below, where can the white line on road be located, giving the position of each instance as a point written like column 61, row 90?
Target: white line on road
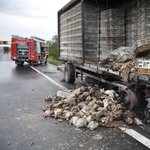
column 145, row 141
column 50, row 79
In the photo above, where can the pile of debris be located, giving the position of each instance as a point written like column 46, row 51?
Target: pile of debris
column 90, row 106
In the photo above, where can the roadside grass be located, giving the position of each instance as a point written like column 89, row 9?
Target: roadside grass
column 54, row 61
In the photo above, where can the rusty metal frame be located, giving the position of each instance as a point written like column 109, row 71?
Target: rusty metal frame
column 77, row 71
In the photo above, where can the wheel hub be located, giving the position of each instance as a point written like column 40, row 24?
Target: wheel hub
column 130, row 99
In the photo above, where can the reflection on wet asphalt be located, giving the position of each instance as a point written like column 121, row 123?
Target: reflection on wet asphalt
column 9, row 70
column 26, row 71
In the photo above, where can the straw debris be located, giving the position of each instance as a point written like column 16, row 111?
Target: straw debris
column 90, row 107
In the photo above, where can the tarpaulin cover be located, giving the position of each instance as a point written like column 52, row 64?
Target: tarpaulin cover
column 122, row 54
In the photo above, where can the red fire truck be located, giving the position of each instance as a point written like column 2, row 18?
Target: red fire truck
column 32, row 50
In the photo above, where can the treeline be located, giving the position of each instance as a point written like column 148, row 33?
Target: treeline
column 53, row 47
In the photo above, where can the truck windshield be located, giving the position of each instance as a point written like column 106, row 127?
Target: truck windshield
column 22, row 46
column 45, row 49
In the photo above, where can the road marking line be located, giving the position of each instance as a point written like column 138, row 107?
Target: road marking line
column 145, row 141
column 50, row 79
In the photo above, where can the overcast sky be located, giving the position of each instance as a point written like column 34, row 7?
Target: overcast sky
column 29, row 18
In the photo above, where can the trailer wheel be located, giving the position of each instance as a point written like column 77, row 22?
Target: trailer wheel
column 130, row 99
column 69, row 73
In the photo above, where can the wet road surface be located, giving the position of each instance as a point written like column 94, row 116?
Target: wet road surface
column 22, row 126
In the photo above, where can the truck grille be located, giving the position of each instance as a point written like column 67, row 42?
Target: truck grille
column 22, row 53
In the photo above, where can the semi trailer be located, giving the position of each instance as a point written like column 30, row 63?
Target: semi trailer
column 107, row 41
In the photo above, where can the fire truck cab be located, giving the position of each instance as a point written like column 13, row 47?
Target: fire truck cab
column 32, row 50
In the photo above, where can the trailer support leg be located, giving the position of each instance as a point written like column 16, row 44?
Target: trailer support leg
column 77, row 72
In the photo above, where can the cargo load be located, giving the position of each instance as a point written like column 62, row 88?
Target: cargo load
column 107, row 42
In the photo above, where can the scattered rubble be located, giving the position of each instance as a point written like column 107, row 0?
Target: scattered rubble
column 47, row 113
column 32, row 143
column 48, row 98
column 62, row 80
column 147, row 113
column 138, row 122
column 90, row 106
column 92, row 125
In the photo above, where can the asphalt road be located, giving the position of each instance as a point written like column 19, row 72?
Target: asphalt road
column 22, row 126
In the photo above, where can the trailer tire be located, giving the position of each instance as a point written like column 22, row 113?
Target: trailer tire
column 69, row 73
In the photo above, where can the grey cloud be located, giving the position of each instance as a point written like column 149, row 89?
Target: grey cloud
column 10, row 6
column 19, row 8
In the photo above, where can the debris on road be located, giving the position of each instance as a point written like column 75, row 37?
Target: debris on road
column 138, row 122
column 44, row 139
column 62, row 80
column 92, row 125
column 47, row 113
column 90, row 106
column 59, row 68
column 48, row 98
column 147, row 113
column 32, row 143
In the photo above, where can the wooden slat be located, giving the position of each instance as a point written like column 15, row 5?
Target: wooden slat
column 88, row 59
column 143, row 71
column 113, row 38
